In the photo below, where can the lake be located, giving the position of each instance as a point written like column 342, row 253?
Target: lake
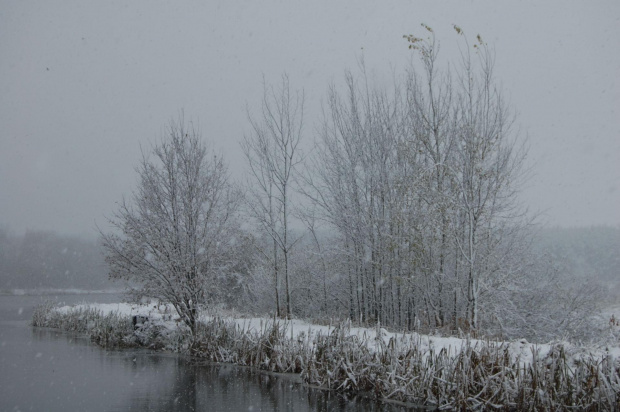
column 45, row 369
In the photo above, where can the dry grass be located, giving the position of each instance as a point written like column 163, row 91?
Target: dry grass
column 482, row 376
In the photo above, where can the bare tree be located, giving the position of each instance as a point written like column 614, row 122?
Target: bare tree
column 420, row 184
column 431, row 126
column 352, row 182
column 175, row 234
column 272, row 154
column 490, row 170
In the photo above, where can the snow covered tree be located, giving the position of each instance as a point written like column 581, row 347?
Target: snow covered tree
column 272, row 153
column 431, row 132
column 353, row 182
column 175, row 235
column 420, row 185
column 490, row 170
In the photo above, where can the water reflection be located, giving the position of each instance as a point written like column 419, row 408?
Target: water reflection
column 45, row 369
column 230, row 388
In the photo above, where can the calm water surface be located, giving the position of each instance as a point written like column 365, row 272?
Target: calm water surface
column 48, row 370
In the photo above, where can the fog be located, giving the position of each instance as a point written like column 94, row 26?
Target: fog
column 319, row 162
column 85, row 86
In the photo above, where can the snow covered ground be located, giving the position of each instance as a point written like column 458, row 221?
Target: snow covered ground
column 520, row 350
column 447, row 372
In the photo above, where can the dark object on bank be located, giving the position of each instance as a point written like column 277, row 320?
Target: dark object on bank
column 138, row 321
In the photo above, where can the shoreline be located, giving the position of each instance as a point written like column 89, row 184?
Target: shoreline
column 406, row 368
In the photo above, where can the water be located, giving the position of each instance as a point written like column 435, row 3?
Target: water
column 47, row 370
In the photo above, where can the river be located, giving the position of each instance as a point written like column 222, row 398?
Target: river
column 44, row 369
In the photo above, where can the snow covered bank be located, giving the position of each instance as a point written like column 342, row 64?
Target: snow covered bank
column 447, row 372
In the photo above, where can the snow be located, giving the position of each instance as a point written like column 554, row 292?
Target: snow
column 298, row 329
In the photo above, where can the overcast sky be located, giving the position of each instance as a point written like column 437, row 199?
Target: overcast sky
column 84, row 84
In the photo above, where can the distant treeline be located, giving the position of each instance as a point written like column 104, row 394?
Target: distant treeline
column 590, row 252
column 42, row 260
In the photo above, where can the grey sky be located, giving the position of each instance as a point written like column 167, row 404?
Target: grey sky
column 84, row 84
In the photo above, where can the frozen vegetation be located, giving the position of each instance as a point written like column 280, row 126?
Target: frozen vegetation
column 446, row 372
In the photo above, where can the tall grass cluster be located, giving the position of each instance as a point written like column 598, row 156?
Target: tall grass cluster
column 475, row 376
column 111, row 330
column 108, row 330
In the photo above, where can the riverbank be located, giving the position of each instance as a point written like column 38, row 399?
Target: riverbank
column 45, row 369
column 406, row 367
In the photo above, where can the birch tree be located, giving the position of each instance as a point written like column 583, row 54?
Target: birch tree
column 353, row 184
column 273, row 154
column 420, row 183
column 490, row 166
column 431, row 124
column 175, row 234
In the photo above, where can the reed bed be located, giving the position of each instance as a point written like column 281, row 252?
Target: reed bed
column 109, row 330
column 476, row 376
